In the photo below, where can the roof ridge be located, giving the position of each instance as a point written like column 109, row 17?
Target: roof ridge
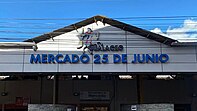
column 112, row 22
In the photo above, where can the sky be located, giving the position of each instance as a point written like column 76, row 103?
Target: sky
column 23, row 19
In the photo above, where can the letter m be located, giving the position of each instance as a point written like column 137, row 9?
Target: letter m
column 34, row 59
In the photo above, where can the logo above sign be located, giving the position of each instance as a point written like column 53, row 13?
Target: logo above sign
column 89, row 36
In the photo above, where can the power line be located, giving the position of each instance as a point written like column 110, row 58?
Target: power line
column 12, row 38
column 22, row 24
column 111, row 33
column 57, row 1
column 45, row 27
column 52, row 27
column 65, row 24
column 120, row 18
column 158, row 17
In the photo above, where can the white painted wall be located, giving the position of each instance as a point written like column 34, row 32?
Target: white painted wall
column 182, row 59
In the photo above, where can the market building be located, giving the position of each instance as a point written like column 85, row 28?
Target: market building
column 98, row 64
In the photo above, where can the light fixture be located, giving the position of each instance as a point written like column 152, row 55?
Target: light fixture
column 4, row 94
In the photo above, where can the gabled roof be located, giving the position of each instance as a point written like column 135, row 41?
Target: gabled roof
column 112, row 22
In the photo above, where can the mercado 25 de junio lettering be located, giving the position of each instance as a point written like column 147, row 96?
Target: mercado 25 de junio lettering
column 98, row 59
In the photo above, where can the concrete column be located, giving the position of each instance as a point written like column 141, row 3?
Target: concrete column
column 194, row 93
column 41, row 81
column 193, row 105
column 55, row 89
column 139, row 81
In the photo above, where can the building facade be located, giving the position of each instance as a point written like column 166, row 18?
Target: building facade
column 82, row 65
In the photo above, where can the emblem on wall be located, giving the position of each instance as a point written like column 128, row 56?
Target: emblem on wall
column 90, row 40
column 87, row 38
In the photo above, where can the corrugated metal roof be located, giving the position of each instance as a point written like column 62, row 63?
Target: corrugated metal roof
column 112, row 22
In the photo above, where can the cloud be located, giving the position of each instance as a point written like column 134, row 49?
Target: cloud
column 186, row 32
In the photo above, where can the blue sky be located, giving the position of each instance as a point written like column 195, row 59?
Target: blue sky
column 11, row 9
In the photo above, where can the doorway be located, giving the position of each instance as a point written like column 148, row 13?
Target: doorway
column 182, row 107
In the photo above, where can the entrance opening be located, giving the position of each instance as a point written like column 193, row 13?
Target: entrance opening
column 182, row 107
column 94, row 107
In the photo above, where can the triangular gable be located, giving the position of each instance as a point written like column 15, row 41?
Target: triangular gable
column 112, row 22
column 105, row 34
